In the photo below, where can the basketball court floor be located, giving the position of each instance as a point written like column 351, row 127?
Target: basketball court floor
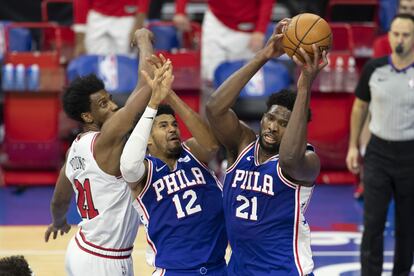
column 334, row 215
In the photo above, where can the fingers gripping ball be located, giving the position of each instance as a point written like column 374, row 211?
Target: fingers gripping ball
column 304, row 30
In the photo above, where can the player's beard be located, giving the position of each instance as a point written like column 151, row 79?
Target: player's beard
column 174, row 153
column 270, row 148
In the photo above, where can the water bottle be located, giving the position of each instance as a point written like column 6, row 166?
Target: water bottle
column 339, row 75
column 33, row 77
column 351, row 76
column 8, row 77
column 20, row 84
column 326, row 79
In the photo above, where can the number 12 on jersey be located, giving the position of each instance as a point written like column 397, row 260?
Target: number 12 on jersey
column 241, row 211
column 189, row 208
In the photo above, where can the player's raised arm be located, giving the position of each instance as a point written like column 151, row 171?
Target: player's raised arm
column 223, row 120
column 132, row 165
column 295, row 160
column 116, row 127
column 203, row 143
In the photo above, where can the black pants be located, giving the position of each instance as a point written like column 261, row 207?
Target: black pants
column 388, row 172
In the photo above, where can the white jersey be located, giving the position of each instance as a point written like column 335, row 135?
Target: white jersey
column 109, row 222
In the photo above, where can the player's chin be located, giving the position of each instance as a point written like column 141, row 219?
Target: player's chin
column 269, row 145
column 174, row 150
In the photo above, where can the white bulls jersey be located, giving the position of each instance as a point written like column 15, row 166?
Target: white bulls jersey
column 109, row 222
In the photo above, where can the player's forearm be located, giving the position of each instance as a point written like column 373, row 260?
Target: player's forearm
column 145, row 49
column 133, row 154
column 58, row 210
column 195, row 124
column 293, row 145
column 358, row 115
column 225, row 96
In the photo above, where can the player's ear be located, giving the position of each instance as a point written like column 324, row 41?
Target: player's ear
column 150, row 141
column 87, row 117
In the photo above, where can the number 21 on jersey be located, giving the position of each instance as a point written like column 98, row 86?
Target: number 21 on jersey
column 243, row 210
column 84, row 200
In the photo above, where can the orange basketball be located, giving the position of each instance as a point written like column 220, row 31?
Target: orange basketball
column 304, row 30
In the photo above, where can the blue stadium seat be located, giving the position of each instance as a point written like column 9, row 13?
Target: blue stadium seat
column 165, row 37
column 273, row 77
column 269, row 30
column 118, row 72
column 20, row 39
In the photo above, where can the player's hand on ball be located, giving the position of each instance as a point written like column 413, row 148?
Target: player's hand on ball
column 312, row 66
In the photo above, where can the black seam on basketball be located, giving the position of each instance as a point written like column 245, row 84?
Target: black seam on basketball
column 317, row 40
column 300, row 41
column 290, row 39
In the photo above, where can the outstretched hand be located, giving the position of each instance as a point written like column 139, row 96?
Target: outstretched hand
column 64, row 228
column 162, row 80
column 311, row 67
column 274, row 47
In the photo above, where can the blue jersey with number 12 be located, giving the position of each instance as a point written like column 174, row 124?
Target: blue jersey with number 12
column 182, row 210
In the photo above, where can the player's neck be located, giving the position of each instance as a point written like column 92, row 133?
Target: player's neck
column 401, row 62
column 264, row 155
column 90, row 127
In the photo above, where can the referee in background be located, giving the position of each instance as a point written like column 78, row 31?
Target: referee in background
column 386, row 87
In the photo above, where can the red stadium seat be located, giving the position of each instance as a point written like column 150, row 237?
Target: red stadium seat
column 342, row 37
column 67, row 34
column 31, row 145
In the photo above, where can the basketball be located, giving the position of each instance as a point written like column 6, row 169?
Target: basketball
column 304, row 30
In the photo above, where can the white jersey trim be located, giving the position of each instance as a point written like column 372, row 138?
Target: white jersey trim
column 151, row 251
column 218, row 183
column 241, row 155
column 295, row 232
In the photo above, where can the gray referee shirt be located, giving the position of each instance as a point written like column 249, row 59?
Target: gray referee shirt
column 390, row 93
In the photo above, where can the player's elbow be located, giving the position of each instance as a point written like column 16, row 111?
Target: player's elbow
column 132, row 172
column 213, row 110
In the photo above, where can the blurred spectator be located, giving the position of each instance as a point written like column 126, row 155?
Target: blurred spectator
column 382, row 44
column 14, row 266
column 107, row 26
column 231, row 30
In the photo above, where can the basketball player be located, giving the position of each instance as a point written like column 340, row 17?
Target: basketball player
column 268, row 186
column 104, row 242
column 177, row 196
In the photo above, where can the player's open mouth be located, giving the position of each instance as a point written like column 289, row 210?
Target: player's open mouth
column 269, row 138
column 174, row 139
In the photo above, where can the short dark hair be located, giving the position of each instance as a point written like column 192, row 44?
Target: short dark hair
column 403, row 16
column 286, row 98
column 76, row 96
column 14, row 266
column 165, row 109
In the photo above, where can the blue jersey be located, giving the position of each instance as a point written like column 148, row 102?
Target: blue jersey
column 182, row 210
column 267, row 231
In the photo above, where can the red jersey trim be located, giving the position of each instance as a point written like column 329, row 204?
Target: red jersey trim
column 98, row 254
column 100, row 247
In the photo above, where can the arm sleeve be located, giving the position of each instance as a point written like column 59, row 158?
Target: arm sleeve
column 80, row 13
column 265, row 11
column 180, row 6
column 132, row 158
